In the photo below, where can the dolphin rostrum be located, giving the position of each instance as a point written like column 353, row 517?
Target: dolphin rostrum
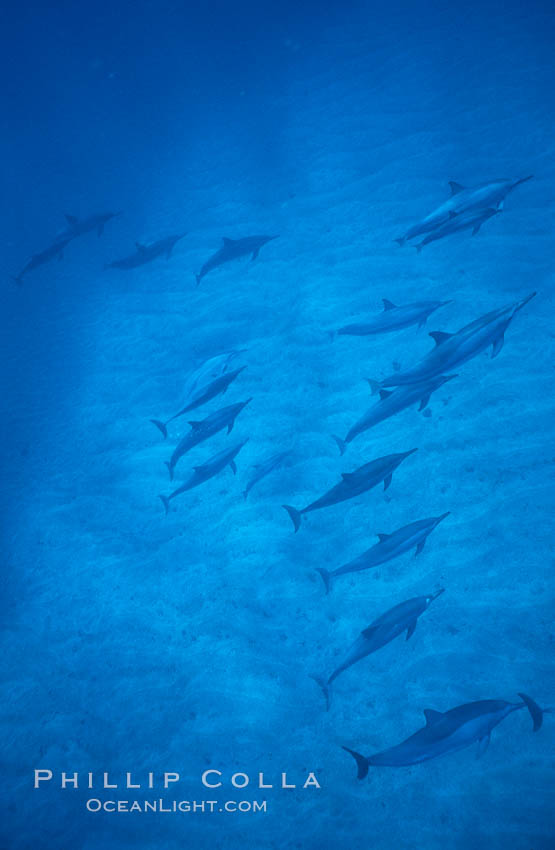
column 264, row 468
column 207, row 470
column 54, row 251
column 79, row 226
column 147, row 253
column 352, row 484
column 394, row 318
column 447, row 732
column 487, row 195
column 387, row 627
column 451, row 350
column 389, row 546
column 392, row 402
column 200, row 394
column 471, row 219
column 205, row 428
column 233, row 249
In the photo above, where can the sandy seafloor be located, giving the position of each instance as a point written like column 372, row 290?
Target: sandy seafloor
column 134, row 641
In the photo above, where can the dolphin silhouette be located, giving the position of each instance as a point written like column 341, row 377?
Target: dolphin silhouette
column 264, row 468
column 471, row 219
column 80, row 226
column 387, row 627
column 353, row 484
column 205, row 471
column 450, row 731
column 389, row 546
column 393, row 318
column 233, row 249
column 54, row 251
column 205, row 428
column 147, row 253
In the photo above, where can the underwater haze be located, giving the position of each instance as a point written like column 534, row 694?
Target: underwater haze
column 182, row 634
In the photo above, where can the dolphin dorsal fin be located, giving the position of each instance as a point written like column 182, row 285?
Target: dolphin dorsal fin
column 227, row 241
column 387, row 304
column 346, row 476
column 195, row 423
column 455, row 187
column 431, row 716
column 71, row 219
column 385, row 394
column 140, row 247
column 440, row 336
column 369, row 632
column 382, row 537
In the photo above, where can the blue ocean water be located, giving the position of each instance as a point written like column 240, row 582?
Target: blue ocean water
column 138, row 642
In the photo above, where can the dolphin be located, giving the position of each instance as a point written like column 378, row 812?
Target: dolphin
column 452, row 350
column 200, row 431
column 233, row 249
column 79, row 226
column 200, row 395
column 387, row 627
column 352, row 484
column 147, row 253
column 206, row 471
column 392, row 402
column 213, row 367
column 264, row 468
column 471, row 219
column 447, row 732
column 491, row 194
column 390, row 546
column 394, row 318
column 54, row 251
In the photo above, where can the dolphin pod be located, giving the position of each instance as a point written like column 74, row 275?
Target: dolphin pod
column 447, row 732
column 387, row 627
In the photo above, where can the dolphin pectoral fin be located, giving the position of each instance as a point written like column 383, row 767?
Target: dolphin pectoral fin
column 326, row 578
column 382, row 537
column 227, row 242
column 432, row 716
column 233, row 466
column 387, row 481
column 387, row 304
column 410, row 630
column 362, row 762
column 341, row 444
column 483, row 744
column 424, row 402
column 455, row 187
column 497, row 346
column 419, row 548
column 255, row 254
column 294, row 515
column 140, row 247
column 385, row 394
column 326, row 687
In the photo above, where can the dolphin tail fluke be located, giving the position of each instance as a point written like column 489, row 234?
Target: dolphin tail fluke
column 321, row 680
column 295, row 516
column 419, row 247
column 536, row 712
column 198, row 278
column 18, row 279
column 161, row 427
column 166, row 502
column 375, row 386
column 401, row 241
column 332, row 335
column 326, row 577
column 341, row 444
column 170, row 468
column 362, row 763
